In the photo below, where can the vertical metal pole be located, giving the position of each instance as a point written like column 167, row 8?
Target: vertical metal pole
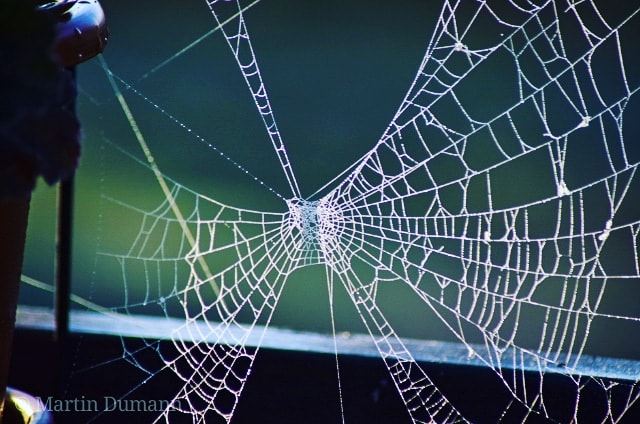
column 63, row 264
column 63, row 283
column 64, row 251
column 63, row 260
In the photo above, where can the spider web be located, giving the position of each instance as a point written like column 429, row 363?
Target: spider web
column 503, row 195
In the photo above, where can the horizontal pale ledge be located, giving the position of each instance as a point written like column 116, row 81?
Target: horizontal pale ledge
column 430, row 351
